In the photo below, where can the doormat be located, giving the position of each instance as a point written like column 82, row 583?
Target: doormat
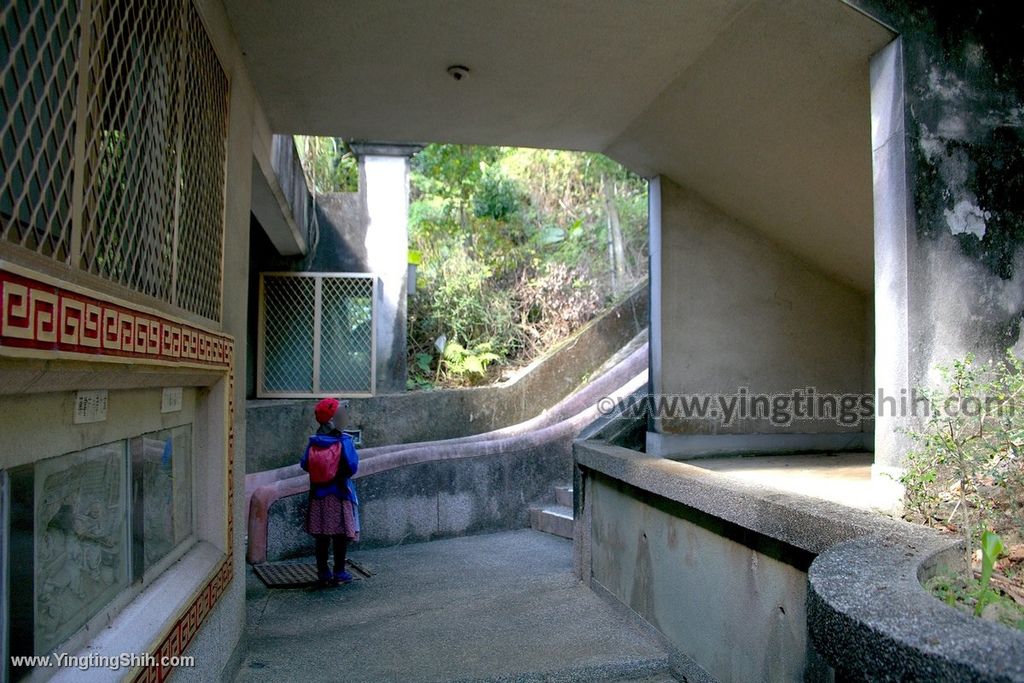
column 300, row 574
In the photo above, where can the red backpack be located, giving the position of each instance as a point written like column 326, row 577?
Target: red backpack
column 323, row 462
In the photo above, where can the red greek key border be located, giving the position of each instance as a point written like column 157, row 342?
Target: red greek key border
column 187, row 625
column 45, row 319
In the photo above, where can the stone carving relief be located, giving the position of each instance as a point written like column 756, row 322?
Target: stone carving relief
column 80, row 540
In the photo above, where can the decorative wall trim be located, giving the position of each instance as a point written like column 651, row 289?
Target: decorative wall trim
column 42, row 317
column 187, row 624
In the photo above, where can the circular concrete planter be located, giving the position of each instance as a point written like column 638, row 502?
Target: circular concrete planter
column 871, row 618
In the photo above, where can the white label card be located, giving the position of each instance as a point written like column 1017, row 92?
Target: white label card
column 171, row 400
column 90, row 406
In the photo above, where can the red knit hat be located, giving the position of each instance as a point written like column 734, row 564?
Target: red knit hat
column 325, row 410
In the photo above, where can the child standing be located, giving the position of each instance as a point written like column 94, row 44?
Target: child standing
column 333, row 514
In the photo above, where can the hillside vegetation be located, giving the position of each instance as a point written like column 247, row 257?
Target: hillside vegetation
column 520, row 247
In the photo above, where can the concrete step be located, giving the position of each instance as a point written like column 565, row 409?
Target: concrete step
column 552, row 519
column 563, row 496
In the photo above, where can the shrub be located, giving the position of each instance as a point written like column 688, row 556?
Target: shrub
column 965, row 472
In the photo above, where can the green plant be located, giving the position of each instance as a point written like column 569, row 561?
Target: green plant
column 496, row 196
column 961, row 592
column 459, row 361
column 419, row 372
column 991, row 548
column 328, row 163
column 516, row 247
column 965, row 469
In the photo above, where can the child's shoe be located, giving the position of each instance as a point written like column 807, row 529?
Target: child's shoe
column 342, row 577
column 325, row 579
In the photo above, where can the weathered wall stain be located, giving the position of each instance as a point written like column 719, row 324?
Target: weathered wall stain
column 641, row 597
column 964, row 90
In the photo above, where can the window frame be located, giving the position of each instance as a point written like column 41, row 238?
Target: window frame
column 317, row 326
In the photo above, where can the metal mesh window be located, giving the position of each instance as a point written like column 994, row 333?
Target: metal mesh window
column 130, row 127
column 113, row 126
column 316, row 334
column 200, row 237
column 40, row 42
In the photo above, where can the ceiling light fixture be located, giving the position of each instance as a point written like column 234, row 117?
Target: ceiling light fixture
column 458, row 72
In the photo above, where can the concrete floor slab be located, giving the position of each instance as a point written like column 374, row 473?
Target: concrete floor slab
column 843, row 478
column 494, row 607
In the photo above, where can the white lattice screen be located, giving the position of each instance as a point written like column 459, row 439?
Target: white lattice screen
column 316, row 334
column 113, row 124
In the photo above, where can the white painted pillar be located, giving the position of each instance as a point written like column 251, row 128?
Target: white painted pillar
column 384, row 178
column 894, row 240
column 654, row 383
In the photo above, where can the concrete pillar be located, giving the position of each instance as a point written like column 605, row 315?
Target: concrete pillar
column 655, row 280
column 949, row 257
column 894, row 239
column 384, row 183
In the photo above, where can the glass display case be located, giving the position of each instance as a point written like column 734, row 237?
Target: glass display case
column 80, row 539
column 162, row 492
column 87, row 529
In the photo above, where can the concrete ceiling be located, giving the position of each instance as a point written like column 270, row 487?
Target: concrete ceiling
column 761, row 106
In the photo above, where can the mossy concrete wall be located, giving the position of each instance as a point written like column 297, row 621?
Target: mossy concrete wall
column 954, row 232
column 740, row 612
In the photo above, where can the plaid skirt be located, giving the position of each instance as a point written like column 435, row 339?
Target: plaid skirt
column 331, row 516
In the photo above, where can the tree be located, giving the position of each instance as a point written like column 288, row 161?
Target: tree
column 329, row 164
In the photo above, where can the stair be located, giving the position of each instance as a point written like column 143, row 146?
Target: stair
column 563, row 496
column 554, row 518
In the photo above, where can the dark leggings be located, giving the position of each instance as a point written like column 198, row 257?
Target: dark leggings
column 340, row 548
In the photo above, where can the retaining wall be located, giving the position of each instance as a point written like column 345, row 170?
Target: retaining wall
column 746, row 583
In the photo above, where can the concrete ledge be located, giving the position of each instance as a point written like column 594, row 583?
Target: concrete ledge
column 687, row 446
column 800, row 522
column 384, row 149
column 140, row 625
column 870, row 617
column 279, row 194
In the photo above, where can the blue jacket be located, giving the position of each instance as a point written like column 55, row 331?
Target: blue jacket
column 339, row 486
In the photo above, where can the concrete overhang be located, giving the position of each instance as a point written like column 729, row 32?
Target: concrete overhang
column 273, row 213
column 761, row 106
column 278, row 210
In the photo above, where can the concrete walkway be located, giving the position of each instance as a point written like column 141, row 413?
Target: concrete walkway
column 497, row 607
